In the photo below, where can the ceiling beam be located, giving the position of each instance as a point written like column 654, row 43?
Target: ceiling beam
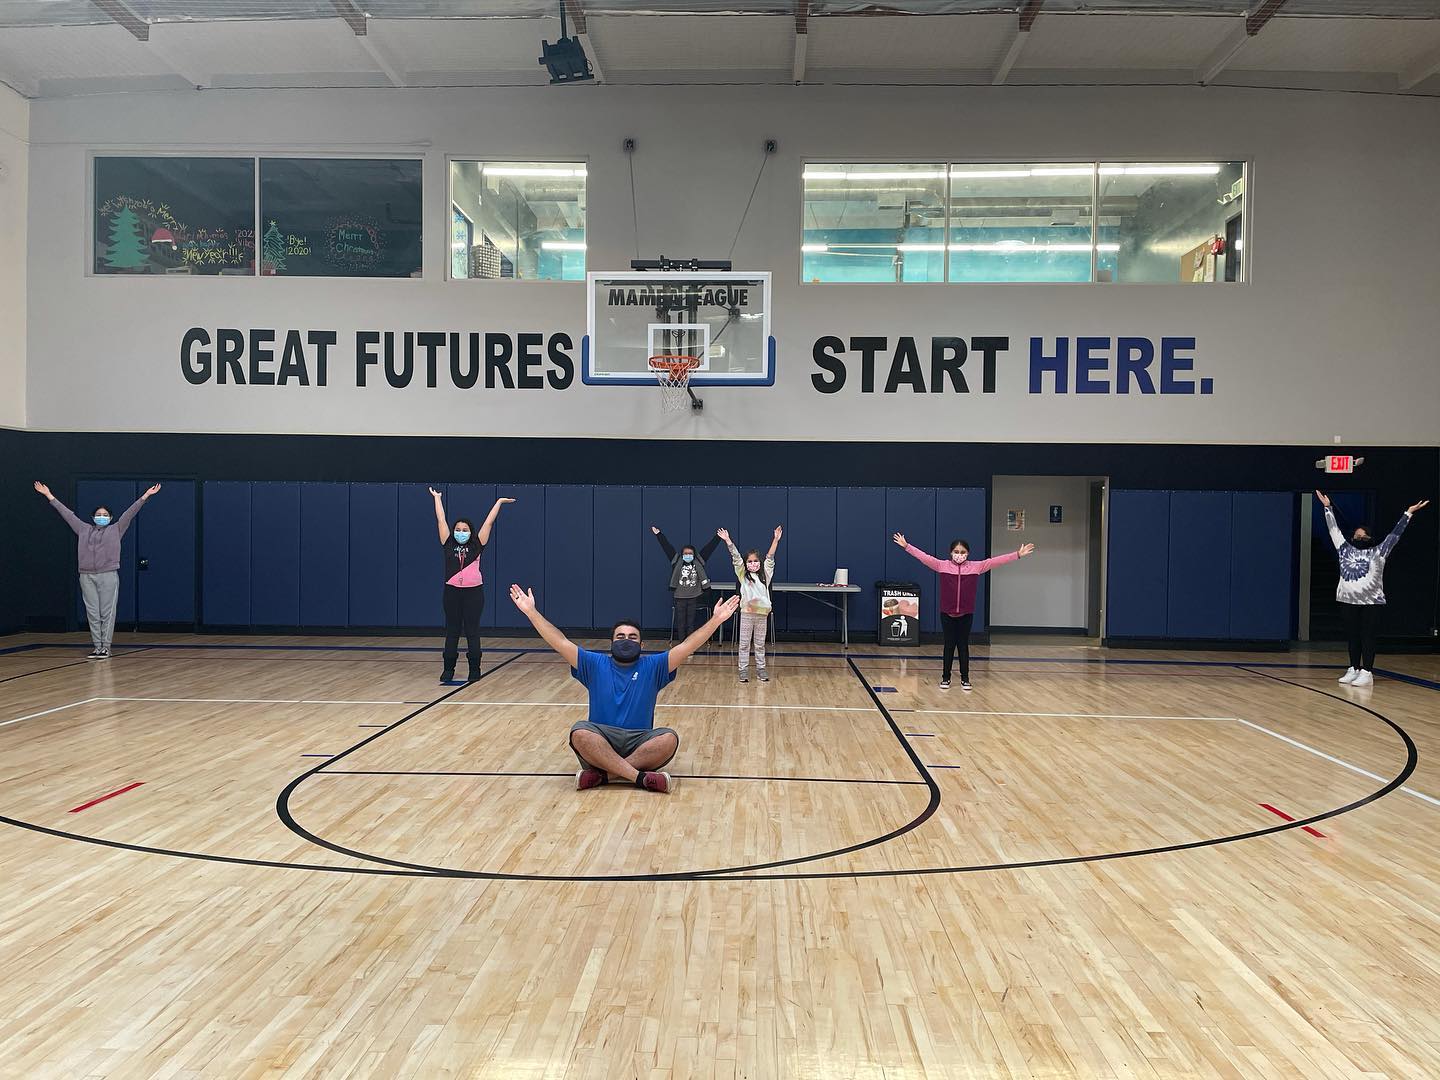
column 1220, row 58
column 118, row 13
column 1255, row 21
column 359, row 24
column 802, row 40
column 1024, row 20
column 1419, row 71
column 353, row 16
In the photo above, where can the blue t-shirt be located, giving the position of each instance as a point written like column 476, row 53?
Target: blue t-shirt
column 623, row 695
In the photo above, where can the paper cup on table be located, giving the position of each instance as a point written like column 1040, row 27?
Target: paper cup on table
column 842, row 577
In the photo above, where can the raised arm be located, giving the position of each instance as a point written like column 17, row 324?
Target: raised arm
column 775, row 542
column 709, row 548
column 484, row 534
column 525, row 601
column 984, row 566
column 60, row 508
column 440, row 521
column 1394, row 537
column 1335, row 536
column 682, row 652
column 129, row 515
column 736, row 559
column 929, row 560
column 665, row 544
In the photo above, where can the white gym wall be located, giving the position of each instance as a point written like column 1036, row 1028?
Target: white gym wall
column 14, row 177
column 1336, row 335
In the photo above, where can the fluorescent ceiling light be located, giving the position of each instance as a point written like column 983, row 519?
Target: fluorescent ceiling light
column 512, row 170
column 1159, row 170
column 859, row 177
column 814, row 247
column 562, row 245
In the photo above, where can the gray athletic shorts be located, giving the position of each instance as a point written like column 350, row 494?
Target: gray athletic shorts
column 624, row 741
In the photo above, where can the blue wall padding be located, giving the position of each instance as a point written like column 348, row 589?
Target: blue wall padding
column 374, row 540
column 519, row 543
column 1138, row 587
column 1262, row 561
column 325, row 554
column 810, row 547
column 228, row 521
column 1199, row 574
column 912, row 511
column 275, row 554
column 569, row 565
column 860, row 541
column 619, row 554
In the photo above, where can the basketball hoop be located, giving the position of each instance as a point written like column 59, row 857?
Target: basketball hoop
column 672, row 372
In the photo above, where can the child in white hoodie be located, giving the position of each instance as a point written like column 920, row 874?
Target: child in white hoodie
column 754, row 578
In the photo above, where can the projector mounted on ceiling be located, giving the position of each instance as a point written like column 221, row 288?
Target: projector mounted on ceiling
column 565, row 59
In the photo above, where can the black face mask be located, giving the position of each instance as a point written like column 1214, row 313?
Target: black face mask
column 1364, row 542
column 625, row 650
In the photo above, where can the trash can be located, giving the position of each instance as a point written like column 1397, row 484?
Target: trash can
column 899, row 622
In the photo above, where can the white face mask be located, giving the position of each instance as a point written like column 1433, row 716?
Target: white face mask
column 959, row 556
column 753, row 567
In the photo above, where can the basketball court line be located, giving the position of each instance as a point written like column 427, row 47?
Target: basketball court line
column 1333, row 760
column 567, row 775
column 370, row 870
column 1397, row 676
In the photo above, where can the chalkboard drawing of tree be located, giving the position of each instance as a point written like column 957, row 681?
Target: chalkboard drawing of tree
column 272, row 250
column 126, row 250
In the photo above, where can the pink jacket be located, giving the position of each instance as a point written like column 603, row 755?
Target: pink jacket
column 959, row 581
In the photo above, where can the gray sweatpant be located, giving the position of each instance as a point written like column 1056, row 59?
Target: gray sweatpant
column 752, row 632
column 100, row 592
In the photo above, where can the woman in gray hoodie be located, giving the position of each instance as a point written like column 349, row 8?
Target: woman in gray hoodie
column 99, row 559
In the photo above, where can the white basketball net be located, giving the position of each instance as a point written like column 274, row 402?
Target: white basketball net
column 673, row 375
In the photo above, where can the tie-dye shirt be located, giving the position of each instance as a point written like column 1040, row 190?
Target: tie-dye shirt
column 1362, row 570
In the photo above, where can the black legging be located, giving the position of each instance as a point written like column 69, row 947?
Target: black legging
column 463, row 608
column 957, row 637
column 1362, row 621
column 685, row 616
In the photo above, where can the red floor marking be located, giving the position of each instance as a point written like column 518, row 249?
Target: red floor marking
column 1287, row 817
column 102, row 798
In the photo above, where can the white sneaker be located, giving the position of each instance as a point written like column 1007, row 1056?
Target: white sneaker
column 1364, row 679
column 1351, row 674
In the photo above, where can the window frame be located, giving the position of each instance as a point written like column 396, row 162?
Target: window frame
column 1246, row 171
column 472, row 159
column 256, row 157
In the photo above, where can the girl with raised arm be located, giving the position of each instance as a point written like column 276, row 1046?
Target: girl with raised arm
column 754, row 578
column 959, row 580
column 1361, row 590
column 464, row 585
column 99, row 560
column 688, row 579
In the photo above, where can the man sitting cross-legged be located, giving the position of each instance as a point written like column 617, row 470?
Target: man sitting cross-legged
column 620, row 740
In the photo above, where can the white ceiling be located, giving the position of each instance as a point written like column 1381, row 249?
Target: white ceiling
column 54, row 48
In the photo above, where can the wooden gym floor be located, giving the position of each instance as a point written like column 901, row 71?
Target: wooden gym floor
column 301, row 857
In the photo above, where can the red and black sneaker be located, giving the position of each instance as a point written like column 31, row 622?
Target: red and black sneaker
column 661, row 782
column 586, row 779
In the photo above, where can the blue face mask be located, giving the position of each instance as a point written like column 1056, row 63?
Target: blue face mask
column 462, row 536
column 689, row 556
column 102, row 519
column 626, row 650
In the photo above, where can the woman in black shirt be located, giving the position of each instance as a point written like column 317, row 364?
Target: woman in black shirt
column 464, row 585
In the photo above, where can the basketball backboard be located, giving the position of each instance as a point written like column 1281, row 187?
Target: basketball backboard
column 721, row 318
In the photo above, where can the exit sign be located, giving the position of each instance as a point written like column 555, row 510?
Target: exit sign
column 1339, row 463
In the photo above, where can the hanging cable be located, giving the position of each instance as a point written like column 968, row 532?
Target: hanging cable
column 763, row 161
